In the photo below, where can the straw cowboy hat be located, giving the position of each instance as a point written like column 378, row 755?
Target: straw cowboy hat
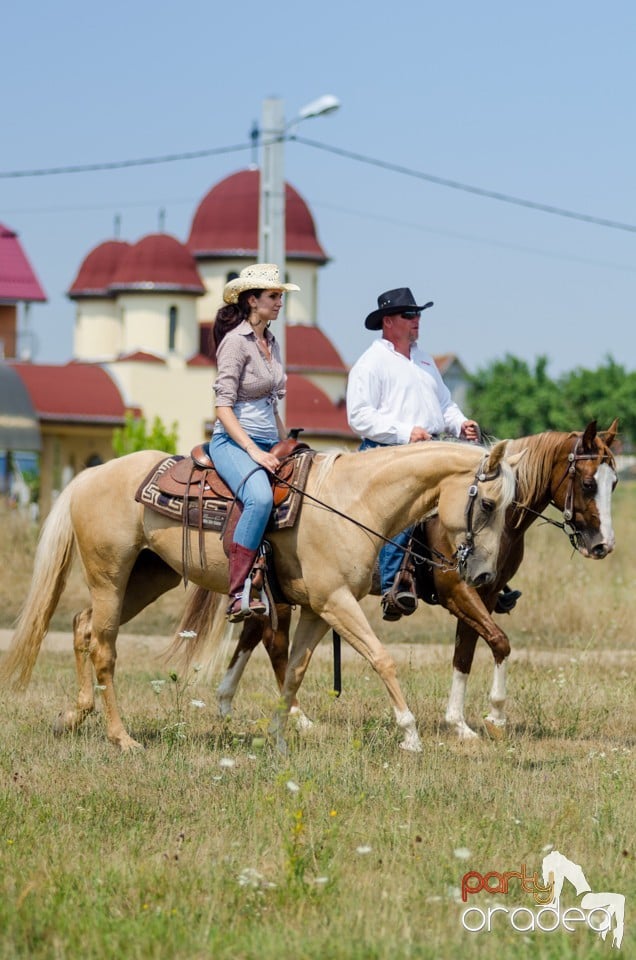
column 260, row 276
column 393, row 301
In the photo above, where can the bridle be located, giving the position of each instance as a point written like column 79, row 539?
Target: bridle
column 568, row 527
column 464, row 550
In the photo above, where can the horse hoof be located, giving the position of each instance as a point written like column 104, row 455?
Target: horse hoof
column 465, row 733
column 128, row 745
column 301, row 720
column 411, row 745
column 496, row 729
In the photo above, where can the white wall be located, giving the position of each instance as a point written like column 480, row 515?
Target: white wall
column 98, row 329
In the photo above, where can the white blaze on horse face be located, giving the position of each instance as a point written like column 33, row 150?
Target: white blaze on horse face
column 605, row 480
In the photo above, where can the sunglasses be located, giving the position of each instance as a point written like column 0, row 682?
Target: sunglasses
column 411, row 314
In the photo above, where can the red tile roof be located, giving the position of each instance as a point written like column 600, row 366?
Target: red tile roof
column 309, row 349
column 140, row 356
column 75, row 392
column 97, row 270
column 18, row 281
column 309, row 407
column 158, row 262
column 226, row 221
column 200, row 360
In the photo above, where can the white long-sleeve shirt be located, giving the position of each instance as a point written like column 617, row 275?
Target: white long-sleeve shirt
column 388, row 395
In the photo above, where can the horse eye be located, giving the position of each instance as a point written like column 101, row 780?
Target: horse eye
column 487, row 505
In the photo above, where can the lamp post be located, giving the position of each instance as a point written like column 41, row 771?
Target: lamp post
column 271, row 216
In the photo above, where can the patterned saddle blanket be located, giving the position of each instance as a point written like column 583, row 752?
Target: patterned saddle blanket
column 210, row 508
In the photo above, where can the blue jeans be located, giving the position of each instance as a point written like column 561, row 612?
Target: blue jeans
column 249, row 482
column 391, row 557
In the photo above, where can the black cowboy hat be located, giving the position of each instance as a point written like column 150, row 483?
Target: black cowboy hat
column 393, row 301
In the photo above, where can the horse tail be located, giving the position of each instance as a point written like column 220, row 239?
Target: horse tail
column 52, row 564
column 202, row 625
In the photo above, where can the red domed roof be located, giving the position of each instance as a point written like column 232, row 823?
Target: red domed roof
column 97, row 270
column 226, row 221
column 157, row 262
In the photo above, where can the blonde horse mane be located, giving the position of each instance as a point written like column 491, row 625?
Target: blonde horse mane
column 323, row 465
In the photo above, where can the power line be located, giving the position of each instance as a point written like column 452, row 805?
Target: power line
column 338, row 151
column 119, row 164
column 467, row 188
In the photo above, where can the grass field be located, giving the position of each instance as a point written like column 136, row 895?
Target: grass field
column 209, row 844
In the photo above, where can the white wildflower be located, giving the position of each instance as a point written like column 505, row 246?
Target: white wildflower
column 227, row 763
column 364, row 850
column 157, row 685
column 292, row 786
column 249, row 877
column 462, row 853
column 197, row 703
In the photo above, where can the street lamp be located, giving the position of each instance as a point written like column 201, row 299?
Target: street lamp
column 271, row 215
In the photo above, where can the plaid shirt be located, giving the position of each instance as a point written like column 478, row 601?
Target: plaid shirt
column 244, row 373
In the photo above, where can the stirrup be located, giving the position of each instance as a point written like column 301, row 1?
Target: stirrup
column 238, row 610
column 390, row 610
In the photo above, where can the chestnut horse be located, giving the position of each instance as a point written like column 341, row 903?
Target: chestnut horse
column 353, row 503
column 574, row 472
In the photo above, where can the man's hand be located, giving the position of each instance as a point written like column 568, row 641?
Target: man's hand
column 419, row 433
column 470, row 430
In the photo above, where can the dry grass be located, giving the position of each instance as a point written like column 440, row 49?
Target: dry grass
column 201, row 845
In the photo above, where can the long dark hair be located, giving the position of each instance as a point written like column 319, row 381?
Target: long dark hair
column 229, row 316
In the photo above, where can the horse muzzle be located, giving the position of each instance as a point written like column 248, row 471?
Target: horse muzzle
column 481, row 580
column 593, row 546
column 466, row 562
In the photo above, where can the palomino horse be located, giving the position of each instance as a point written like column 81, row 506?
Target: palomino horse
column 353, row 502
column 572, row 471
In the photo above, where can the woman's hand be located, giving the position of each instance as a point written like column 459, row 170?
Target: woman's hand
column 262, row 457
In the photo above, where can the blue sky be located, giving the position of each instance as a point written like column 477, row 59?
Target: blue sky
column 531, row 100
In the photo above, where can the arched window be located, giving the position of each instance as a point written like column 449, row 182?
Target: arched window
column 173, row 316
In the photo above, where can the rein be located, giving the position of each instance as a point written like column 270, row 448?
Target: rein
column 461, row 555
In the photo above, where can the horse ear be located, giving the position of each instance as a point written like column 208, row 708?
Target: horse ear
column 514, row 458
column 496, row 456
column 609, row 436
column 589, row 435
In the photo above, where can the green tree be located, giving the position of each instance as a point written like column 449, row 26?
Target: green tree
column 134, row 435
column 509, row 399
column 601, row 395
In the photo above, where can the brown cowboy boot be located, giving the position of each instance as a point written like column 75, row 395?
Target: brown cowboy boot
column 242, row 603
column 401, row 599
